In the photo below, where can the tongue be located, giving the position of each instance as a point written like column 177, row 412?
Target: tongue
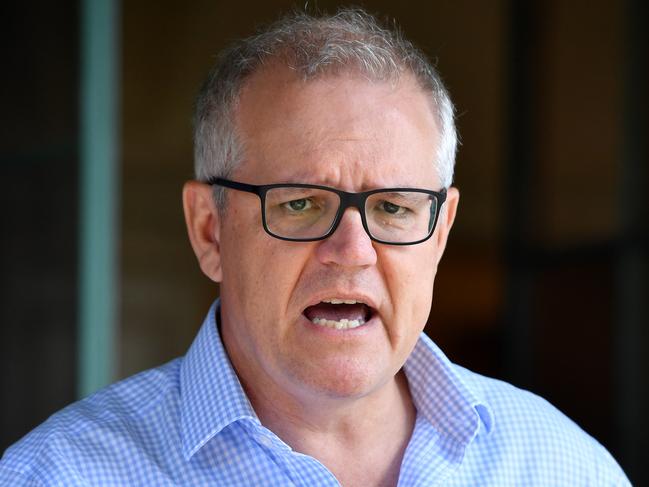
column 337, row 312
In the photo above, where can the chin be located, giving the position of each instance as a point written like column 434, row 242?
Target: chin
column 343, row 379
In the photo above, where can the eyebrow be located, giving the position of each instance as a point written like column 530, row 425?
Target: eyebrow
column 301, row 191
column 410, row 196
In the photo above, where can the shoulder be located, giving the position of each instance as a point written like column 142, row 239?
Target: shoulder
column 530, row 436
column 115, row 423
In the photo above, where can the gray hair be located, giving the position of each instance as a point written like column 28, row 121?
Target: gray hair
column 350, row 40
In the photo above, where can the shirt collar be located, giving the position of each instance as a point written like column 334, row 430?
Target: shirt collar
column 442, row 397
column 212, row 396
column 210, row 391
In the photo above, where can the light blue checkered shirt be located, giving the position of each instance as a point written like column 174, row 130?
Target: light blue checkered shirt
column 189, row 422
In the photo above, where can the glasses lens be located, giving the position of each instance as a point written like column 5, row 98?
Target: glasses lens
column 300, row 213
column 401, row 217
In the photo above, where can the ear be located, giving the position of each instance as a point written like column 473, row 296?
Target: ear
column 204, row 227
column 446, row 219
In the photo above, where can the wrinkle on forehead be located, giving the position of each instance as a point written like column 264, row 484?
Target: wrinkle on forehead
column 332, row 128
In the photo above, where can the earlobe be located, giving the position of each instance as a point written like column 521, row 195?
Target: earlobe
column 203, row 227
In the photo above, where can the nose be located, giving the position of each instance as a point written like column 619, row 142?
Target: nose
column 349, row 245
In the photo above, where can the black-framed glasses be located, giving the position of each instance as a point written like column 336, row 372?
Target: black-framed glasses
column 309, row 212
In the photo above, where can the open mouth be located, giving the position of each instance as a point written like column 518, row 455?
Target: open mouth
column 341, row 314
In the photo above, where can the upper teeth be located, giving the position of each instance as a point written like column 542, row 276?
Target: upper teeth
column 340, row 301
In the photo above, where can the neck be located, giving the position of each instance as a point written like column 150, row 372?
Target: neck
column 361, row 440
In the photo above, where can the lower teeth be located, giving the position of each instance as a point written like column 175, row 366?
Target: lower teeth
column 343, row 324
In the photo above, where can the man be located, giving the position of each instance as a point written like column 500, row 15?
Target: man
column 324, row 158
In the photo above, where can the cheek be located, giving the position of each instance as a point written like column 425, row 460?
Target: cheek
column 242, row 251
column 410, row 281
column 260, row 272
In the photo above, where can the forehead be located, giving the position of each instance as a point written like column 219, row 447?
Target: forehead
column 343, row 130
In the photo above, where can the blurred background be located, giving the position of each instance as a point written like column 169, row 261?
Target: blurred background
column 545, row 279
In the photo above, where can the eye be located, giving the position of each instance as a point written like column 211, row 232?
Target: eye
column 298, row 205
column 391, row 208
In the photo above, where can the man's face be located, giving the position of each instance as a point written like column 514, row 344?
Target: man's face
column 355, row 135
